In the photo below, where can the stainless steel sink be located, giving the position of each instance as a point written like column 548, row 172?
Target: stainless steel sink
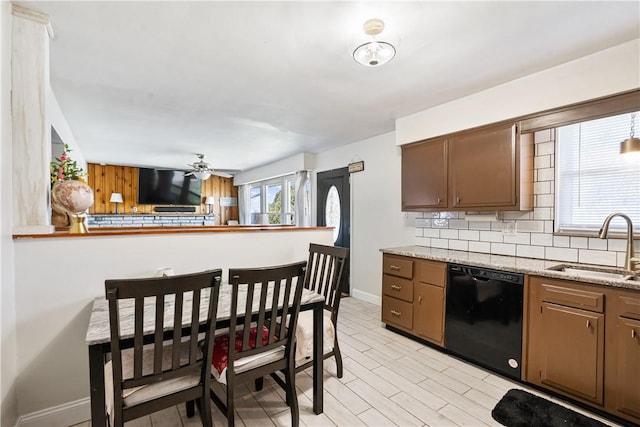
column 595, row 272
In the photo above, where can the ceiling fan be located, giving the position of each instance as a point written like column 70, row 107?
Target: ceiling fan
column 203, row 170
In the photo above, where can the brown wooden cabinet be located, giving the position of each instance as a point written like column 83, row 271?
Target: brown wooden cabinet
column 566, row 338
column 424, row 175
column 490, row 168
column 622, row 392
column 413, row 296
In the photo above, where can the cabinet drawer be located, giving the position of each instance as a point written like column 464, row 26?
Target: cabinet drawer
column 432, row 272
column 397, row 312
column 397, row 287
column 555, row 292
column 401, row 267
column 629, row 306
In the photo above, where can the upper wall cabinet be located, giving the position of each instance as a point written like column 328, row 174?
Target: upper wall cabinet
column 485, row 169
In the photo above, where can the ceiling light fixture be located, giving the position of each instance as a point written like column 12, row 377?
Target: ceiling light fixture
column 374, row 52
column 631, row 144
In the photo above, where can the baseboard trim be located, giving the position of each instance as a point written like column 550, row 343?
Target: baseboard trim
column 365, row 296
column 64, row 415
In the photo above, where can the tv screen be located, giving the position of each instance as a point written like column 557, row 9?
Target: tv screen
column 168, row 187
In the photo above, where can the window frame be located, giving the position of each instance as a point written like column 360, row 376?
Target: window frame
column 284, row 182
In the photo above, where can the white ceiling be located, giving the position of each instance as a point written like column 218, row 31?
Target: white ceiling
column 246, row 83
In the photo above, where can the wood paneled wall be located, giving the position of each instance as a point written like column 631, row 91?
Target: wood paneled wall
column 107, row 179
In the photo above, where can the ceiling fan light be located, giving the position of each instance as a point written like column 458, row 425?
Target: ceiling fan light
column 202, row 175
column 374, row 53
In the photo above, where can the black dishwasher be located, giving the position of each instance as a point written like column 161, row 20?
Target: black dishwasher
column 483, row 317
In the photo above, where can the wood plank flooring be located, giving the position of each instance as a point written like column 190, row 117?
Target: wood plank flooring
column 388, row 380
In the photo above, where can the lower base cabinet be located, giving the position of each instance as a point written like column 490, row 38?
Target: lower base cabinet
column 584, row 343
column 428, row 312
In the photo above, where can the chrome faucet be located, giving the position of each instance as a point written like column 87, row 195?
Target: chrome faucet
column 629, row 260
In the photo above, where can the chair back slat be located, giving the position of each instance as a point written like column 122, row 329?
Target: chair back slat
column 273, row 296
column 327, row 272
column 144, row 301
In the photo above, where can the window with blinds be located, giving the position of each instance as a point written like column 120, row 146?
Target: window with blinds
column 592, row 178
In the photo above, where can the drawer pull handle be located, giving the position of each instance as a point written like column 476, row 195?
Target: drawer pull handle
column 420, row 298
column 633, row 333
column 439, row 200
column 396, row 287
column 396, row 313
column 394, row 267
column 458, row 199
column 588, row 324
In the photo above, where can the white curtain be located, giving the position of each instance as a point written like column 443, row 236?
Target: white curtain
column 302, row 205
column 243, row 204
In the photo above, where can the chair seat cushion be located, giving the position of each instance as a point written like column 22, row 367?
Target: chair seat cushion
column 304, row 334
column 221, row 353
column 136, row 395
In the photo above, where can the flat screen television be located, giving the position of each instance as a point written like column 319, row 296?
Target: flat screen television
column 168, row 187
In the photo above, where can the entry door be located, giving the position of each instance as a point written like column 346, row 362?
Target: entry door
column 334, row 207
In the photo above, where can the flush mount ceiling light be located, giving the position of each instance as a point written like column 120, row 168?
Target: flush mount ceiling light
column 374, row 52
column 631, row 144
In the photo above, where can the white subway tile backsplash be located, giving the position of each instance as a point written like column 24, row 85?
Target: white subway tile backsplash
column 469, row 235
column 561, row 254
column 483, row 247
column 503, row 249
column 548, row 227
column 459, row 245
column 561, row 241
column 479, row 225
column 423, row 241
column 440, row 243
column 542, row 162
column 534, row 226
column 544, row 200
column 449, row 234
column 459, row 224
column 530, row 251
column 544, row 213
column 543, row 136
column 545, row 174
column 579, row 242
column 541, row 239
column 491, row 236
column 431, row 232
column 619, row 245
column 519, row 238
column 422, row 222
column 508, row 215
column 597, row 244
column 597, row 257
column 543, row 187
column 440, row 223
column 544, row 148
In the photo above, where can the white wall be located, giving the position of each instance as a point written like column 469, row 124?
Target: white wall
column 376, row 219
column 610, row 71
column 58, row 278
column 299, row 162
column 8, row 406
column 60, row 124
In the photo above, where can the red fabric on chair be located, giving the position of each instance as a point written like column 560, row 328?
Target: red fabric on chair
column 221, row 347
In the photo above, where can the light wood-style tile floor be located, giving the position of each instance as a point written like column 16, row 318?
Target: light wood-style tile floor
column 388, row 380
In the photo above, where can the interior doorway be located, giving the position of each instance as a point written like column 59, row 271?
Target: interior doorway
column 334, row 209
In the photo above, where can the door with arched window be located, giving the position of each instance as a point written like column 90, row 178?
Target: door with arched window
column 334, row 207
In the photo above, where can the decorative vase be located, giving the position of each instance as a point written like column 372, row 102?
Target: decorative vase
column 73, row 198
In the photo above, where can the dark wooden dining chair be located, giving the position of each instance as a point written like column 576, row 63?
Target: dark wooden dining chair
column 262, row 344
column 326, row 273
column 168, row 366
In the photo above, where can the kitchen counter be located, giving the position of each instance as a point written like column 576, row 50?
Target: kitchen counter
column 530, row 266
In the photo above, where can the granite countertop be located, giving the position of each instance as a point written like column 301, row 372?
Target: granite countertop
column 516, row 264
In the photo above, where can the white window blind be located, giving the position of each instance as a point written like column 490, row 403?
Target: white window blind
column 592, row 178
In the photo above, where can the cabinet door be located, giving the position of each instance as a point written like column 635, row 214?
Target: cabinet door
column 572, row 351
column 482, row 168
column 424, row 175
column 428, row 312
column 628, row 367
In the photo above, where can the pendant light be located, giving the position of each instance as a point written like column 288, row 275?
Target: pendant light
column 374, row 52
column 631, row 144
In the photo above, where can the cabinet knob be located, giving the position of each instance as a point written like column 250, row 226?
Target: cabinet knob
column 458, row 199
column 396, row 287
column 396, row 313
column 420, row 297
column 633, row 333
column 439, row 200
column 394, row 267
column 588, row 324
